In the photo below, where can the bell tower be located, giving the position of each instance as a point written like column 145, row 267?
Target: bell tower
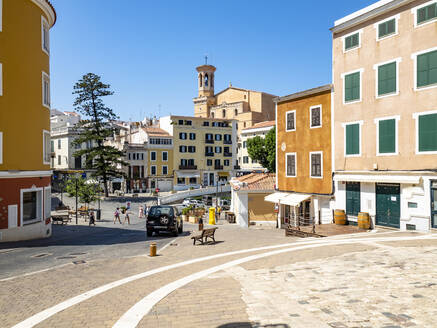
column 205, row 84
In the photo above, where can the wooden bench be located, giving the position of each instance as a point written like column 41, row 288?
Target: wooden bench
column 206, row 233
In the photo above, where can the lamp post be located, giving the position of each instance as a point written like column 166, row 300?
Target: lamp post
column 76, row 176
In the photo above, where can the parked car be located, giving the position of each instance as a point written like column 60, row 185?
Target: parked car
column 225, row 204
column 187, row 202
column 164, row 218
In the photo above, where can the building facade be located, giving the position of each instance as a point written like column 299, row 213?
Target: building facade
column 247, row 107
column 245, row 163
column 385, row 130
column 205, row 150
column 25, row 193
column 247, row 200
column 304, row 158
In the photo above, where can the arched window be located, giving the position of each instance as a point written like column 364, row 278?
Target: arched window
column 200, row 80
column 236, row 112
column 224, row 113
column 212, row 114
column 206, row 80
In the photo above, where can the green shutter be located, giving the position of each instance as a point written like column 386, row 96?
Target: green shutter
column 428, row 132
column 353, row 199
column 352, row 139
column 387, row 79
column 352, row 87
column 426, row 13
column 387, row 28
column 352, row 41
column 387, row 136
column 427, row 69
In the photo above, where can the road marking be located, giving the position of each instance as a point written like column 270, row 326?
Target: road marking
column 43, row 315
column 133, row 316
column 166, row 245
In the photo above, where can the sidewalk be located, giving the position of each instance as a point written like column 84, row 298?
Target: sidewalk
column 349, row 282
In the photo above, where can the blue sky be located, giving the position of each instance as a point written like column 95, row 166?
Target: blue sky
column 148, row 50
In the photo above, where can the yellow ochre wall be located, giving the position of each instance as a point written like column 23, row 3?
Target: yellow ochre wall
column 303, row 141
column 22, row 115
column 259, row 209
column 159, row 162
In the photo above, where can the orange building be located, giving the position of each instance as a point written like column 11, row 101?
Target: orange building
column 304, row 157
column 25, row 176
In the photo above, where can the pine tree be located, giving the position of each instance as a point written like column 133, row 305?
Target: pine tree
column 95, row 128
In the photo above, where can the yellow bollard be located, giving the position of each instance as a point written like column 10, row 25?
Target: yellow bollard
column 153, row 249
column 212, row 215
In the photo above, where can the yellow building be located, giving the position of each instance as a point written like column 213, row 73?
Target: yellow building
column 248, row 107
column 204, row 150
column 160, row 159
column 304, row 157
column 25, row 194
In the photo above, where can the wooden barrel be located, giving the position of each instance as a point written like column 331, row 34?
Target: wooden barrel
column 363, row 220
column 339, row 217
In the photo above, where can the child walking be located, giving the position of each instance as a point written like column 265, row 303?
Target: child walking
column 117, row 215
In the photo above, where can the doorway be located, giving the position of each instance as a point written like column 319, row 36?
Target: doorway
column 388, row 205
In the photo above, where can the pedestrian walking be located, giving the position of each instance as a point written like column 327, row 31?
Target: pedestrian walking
column 127, row 206
column 92, row 218
column 117, row 215
column 141, row 212
column 126, row 218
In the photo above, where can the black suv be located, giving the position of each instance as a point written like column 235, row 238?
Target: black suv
column 164, row 218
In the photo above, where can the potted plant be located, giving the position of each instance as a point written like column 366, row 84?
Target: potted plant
column 185, row 212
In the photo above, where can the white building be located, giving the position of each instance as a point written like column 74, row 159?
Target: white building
column 258, row 130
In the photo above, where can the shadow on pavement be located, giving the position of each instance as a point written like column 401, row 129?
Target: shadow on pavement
column 89, row 235
column 252, row 325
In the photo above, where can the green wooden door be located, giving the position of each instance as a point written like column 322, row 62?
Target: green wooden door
column 434, row 204
column 388, row 205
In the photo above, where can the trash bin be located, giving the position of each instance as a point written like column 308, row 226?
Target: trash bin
column 98, row 214
column 212, row 215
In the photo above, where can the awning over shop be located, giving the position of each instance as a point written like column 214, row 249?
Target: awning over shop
column 275, row 197
column 181, row 174
column 223, row 174
column 377, row 178
column 294, row 199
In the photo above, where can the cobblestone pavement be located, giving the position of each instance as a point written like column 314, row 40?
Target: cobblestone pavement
column 365, row 284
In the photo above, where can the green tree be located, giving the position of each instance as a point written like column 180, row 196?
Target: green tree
column 87, row 193
column 264, row 150
column 96, row 127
